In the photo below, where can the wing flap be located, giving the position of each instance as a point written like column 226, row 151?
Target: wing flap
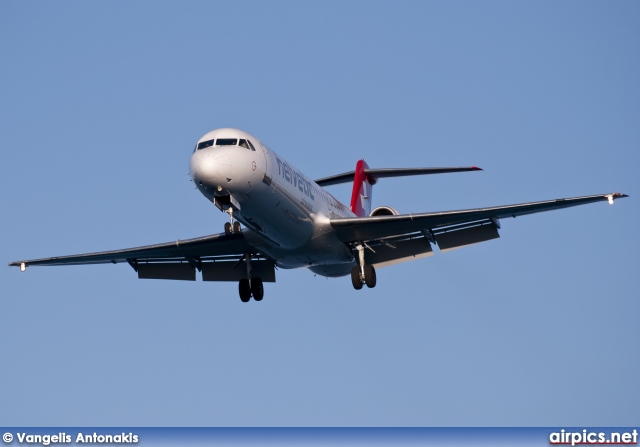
column 401, row 251
column 452, row 240
column 235, row 271
column 167, row 270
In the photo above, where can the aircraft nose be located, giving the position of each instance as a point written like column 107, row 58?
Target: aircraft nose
column 211, row 167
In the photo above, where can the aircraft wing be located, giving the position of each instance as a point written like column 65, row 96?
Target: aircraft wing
column 217, row 256
column 449, row 229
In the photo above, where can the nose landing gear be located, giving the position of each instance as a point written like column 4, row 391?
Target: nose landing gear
column 232, row 226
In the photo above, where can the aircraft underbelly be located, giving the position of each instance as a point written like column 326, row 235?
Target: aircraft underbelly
column 285, row 220
column 286, row 231
column 277, row 219
column 312, row 254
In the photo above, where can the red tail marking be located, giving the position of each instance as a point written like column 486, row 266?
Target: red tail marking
column 361, row 193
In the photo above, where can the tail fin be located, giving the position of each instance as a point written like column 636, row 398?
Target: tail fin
column 362, row 190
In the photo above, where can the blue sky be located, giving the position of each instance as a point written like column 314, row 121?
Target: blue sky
column 102, row 103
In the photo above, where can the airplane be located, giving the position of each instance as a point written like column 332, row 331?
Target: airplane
column 291, row 221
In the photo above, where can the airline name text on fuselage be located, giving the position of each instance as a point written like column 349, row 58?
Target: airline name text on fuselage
column 295, row 178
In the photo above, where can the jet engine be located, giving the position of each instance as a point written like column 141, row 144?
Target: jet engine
column 384, row 211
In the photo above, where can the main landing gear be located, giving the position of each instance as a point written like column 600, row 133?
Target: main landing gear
column 250, row 287
column 247, row 288
column 231, row 227
column 363, row 273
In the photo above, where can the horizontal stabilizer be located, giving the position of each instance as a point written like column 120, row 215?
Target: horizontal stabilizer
column 375, row 174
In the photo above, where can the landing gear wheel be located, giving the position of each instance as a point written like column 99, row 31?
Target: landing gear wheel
column 355, row 278
column 245, row 290
column 236, row 227
column 256, row 289
column 369, row 276
column 227, row 228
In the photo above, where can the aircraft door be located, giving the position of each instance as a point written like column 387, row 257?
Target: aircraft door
column 265, row 173
column 265, row 156
column 256, row 163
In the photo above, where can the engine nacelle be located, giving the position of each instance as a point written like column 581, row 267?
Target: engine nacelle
column 384, row 211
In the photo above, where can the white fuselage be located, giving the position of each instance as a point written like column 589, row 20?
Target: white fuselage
column 287, row 214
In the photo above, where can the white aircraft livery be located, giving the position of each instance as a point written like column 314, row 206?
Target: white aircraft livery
column 290, row 221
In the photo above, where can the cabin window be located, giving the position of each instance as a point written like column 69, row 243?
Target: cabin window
column 204, row 144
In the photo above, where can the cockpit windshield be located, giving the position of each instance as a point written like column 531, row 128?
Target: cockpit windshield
column 205, row 144
column 247, row 145
column 226, row 142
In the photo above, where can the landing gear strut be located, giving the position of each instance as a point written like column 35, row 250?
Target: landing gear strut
column 252, row 286
column 362, row 273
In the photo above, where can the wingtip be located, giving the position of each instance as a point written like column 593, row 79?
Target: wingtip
column 616, row 195
column 21, row 264
column 619, row 195
column 475, row 168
